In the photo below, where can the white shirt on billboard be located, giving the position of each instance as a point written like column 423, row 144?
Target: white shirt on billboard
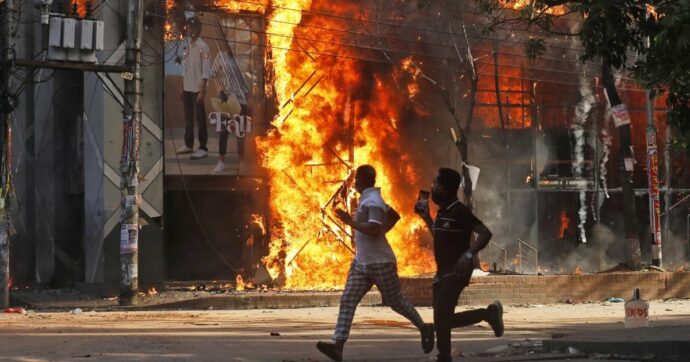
column 196, row 64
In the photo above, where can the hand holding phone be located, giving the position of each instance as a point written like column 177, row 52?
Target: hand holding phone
column 421, row 207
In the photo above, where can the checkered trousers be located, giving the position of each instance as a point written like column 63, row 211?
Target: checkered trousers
column 359, row 280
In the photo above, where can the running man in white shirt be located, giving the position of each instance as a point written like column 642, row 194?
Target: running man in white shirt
column 374, row 264
column 196, row 64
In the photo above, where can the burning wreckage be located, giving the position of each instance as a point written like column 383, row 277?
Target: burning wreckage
column 410, row 90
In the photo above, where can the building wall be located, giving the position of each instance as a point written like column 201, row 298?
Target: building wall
column 47, row 212
column 66, row 153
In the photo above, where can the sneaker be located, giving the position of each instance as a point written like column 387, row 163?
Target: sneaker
column 198, row 154
column 427, row 332
column 496, row 318
column 184, row 149
column 220, row 166
column 330, row 351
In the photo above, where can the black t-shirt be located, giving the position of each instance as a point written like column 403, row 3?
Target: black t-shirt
column 452, row 229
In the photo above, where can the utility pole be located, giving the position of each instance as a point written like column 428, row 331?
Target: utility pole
column 7, row 105
column 621, row 119
column 653, row 183
column 129, row 162
column 653, row 179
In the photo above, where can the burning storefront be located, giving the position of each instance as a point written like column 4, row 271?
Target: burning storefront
column 333, row 85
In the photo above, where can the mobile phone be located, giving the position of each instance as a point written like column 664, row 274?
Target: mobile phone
column 422, row 201
column 423, row 195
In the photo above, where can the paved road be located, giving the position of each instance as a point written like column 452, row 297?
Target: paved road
column 378, row 335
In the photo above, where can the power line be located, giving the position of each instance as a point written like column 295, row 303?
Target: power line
column 398, row 51
column 425, row 66
column 391, row 50
column 415, row 41
column 342, row 17
column 420, row 43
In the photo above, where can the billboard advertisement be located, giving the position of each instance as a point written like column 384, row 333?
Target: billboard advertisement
column 214, row 98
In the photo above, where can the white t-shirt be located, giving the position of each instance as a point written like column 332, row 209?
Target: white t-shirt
column 372, row 249
column 196, row 64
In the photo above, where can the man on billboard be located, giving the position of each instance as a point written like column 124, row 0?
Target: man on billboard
column 196, row 69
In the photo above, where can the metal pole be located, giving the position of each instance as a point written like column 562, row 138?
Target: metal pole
column 129, row 162
column 687, row 231
column 7, row 105
column 667, row 196
column 4, row 263
column 653, row 183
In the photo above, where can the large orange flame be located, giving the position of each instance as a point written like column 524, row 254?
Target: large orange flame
column 337, row 112
column 332, row 108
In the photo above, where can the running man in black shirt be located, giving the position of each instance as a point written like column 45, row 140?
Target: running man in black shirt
column 452, row 230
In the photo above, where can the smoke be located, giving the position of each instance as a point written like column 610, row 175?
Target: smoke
column 606, row 143
column 581, row 114
column 595, row 256
column 582, row 110
column 543, row 155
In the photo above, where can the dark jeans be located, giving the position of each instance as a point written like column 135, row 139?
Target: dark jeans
column 446, row 292
column 192, row 109
column 223, row 143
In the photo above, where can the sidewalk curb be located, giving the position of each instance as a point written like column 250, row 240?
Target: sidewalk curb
column 213, row 302
column 668, row 350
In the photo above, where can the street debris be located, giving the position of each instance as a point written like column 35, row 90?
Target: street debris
column 76, row 311
column 262, row 276
column 275, row 334
column 615, row 300
column 523, row 348
column 573, row 350
column 203, row 324
column 498, row 349
column 15, row 311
